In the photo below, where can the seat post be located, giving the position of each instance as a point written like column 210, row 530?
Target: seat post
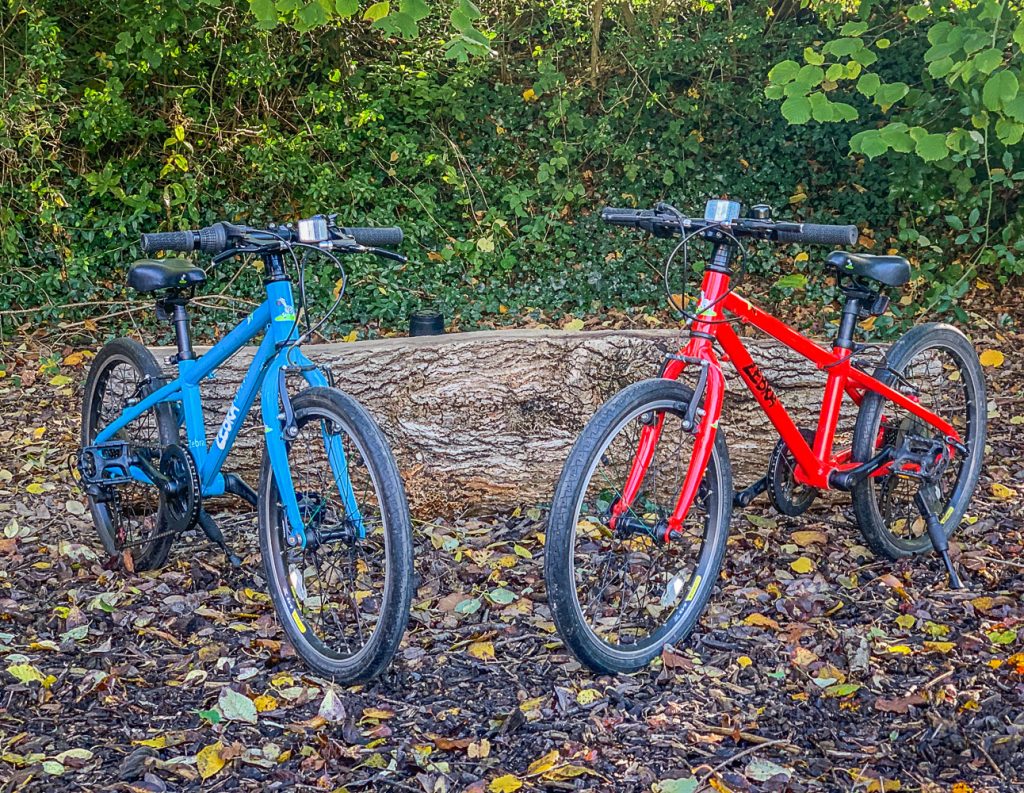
column 848, row 323
column 182, row 336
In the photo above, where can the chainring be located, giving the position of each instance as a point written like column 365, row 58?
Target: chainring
column 786, row 494
column 180, row 498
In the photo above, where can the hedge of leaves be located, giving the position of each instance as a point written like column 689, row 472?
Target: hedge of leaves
column 147, row 115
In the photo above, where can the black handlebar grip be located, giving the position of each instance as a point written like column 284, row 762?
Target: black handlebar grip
column 820, row 234
column 376, row 237
column 618, row 216
column 180, row 241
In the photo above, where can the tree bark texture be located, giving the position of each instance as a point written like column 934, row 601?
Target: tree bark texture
column 481, row 422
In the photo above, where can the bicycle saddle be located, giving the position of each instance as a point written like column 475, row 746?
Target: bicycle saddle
column 888, row 270
column 150, row 275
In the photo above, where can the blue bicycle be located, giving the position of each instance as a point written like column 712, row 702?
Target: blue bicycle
column 334, row 527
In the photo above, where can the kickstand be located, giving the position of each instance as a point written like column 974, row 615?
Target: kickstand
column 213, row 531
column 938, row 537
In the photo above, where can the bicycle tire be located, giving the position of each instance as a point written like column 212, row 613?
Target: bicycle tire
column 109, row 522
column 559, row 566
column 330, row 404
column 877, row 530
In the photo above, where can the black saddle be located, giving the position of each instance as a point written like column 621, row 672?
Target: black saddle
column 151, row 275
column 888, row 270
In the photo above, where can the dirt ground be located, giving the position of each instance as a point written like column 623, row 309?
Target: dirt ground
column 843, row 672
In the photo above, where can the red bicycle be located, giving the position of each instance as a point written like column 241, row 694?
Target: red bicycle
column 640, row 516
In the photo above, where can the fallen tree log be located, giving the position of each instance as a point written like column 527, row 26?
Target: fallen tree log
column 483, row 421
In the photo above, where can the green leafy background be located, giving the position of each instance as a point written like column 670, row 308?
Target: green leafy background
column 493, row 136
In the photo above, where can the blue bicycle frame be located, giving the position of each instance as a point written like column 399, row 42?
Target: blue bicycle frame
column 276, row 319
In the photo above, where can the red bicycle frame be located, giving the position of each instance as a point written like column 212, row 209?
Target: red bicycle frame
column 814, row 466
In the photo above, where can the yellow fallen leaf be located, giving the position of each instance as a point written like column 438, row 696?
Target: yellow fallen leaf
column 26, row 673
column 377, row 713
column 802, row 565
column 35, row 488
column 744, row 661
column 761, row 621
column 529, row 95
column 1002, row 492
column 543, row 763
column 588, row 695
column 573, row 324
column 265, row 702
column 809, row 537
column 801, row 257
column 482, row 650
column 159, row 742
column 506, row 783
column 991, row 358
column 900, row 649
column 209, row 760
column 940, row 647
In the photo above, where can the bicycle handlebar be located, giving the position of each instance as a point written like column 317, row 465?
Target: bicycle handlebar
column 667, row 224
column 222, row 237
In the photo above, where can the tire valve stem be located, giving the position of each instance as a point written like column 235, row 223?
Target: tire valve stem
column 938, row 537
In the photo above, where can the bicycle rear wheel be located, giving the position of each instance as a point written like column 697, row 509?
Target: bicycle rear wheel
column 936, row 364
column 618, row 596
column 343, row 600
column 130, row 518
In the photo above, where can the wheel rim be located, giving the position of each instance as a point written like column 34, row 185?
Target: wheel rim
column 631, row 591
column 334, row 590
column 134, row 514
column 939, row 377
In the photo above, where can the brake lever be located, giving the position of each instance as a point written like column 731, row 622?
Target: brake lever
column 386, row 254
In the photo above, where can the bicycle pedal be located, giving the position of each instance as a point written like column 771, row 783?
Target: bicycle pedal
column 105, row 464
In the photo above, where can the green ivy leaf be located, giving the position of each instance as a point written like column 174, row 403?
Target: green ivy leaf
column 931, row 147
column 796, row 110
column 784, row 72
column 857, row 28
column 895, row 135
column 868, row 84
column 864, row 57
column 889, row 94
column 987, row 61
column 941, row 67
column 265, row 12
column 377, row 11
column 810, row 76
column 1000, row 89
column 821, row 108
column 1009, row 132
column 792, row 281
column 813, row 57
column 310, row 16
column 843, row 47
column 870, row 143
column 1015, row 108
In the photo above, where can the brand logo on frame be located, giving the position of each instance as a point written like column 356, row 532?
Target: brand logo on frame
column 225, row 428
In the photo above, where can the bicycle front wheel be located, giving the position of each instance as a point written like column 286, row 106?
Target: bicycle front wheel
column 619, row 595
column 343, row 600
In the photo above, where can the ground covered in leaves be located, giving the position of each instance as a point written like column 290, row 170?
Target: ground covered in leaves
column 817, row 667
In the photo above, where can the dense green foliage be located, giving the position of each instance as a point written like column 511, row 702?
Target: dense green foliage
column 141, row 115
column 945, row 84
